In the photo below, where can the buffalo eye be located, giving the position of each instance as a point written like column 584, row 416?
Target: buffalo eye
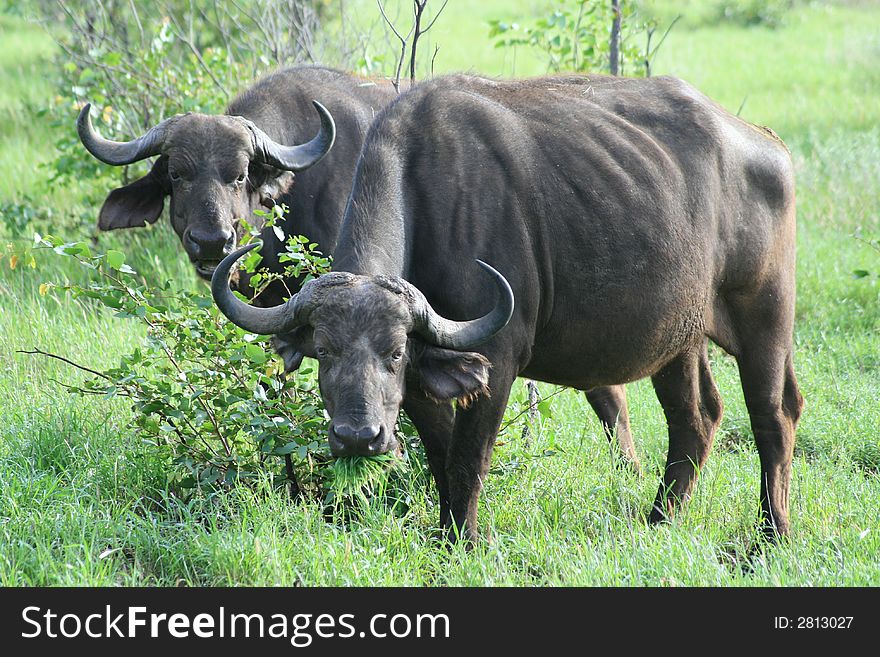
column 321, row 352
column 175, row 177
column 395, row 358
column 241, row 178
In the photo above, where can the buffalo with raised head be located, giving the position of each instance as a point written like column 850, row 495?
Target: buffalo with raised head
column 631, row 220
column 217, row 170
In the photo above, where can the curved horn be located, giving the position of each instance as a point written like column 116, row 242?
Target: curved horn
column 296, row 158
column 463, row 335
column 265, row 321
column 277, row 319
column 120, row 152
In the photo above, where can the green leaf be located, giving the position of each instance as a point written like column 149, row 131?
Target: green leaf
column 256, row 353
column 861, row 273
column 115, row 258
column 545, row 409
column 112, row 58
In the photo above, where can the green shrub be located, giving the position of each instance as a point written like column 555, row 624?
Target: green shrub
column 575, row 37
column 208, row 397
column 769, row 13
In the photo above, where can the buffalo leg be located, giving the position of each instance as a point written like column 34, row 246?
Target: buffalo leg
column 762, row 323
column 775, row 404
column 434, row 423
column 609, row 403
column 693, row 412
column 470, row 451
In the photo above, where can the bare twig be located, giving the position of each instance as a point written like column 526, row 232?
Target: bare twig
column 403, row 41
column 649, row 53
column 40, row 352
column 416, row 31
column 433, row 57
column 419, row 9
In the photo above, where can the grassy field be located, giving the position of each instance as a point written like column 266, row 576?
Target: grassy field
column 84, row 502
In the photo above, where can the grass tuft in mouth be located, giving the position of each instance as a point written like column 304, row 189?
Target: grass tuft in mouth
column 360, row 477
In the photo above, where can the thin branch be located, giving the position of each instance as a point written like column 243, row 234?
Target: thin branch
column 198, row 55
column 419, row 8
column 649, row 53
column 433, row 57
column 870, row 243
column 666, row 33
column 40, row 352
column 528, row 407
column 396, row 81
column 137, row 20
column 434, row 20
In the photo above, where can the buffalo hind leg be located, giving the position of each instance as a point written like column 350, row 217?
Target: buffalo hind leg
column 762, row 322
column 434, row 423
column 774, row 404
column 470, row 451
column 609, row 403
column 693, row 410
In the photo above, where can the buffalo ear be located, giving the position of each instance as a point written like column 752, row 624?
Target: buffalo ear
column 446, row 375
column 274, row 186
column 293, row 347
column 138, row 203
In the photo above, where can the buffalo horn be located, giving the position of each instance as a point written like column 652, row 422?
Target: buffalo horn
column 265, row 321
column 120, row 152
column 463, row 335
column 277, row 319
column 296, row 158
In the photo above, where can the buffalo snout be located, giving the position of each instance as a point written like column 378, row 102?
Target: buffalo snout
column 358, row 439
column 207, row 247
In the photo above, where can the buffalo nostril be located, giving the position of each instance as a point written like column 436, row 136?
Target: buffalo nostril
column 359, row 440
column 191, row 244
column 209, row 244
column 366, row 433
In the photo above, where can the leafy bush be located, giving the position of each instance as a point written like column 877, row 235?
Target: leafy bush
column 209, row 397
column 769, row 13
column 575, row 37
column 206, row 394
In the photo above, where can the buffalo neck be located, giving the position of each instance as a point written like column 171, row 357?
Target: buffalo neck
column 373, row 238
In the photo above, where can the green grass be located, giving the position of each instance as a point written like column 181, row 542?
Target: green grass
column 25, row 55
column 84, row 502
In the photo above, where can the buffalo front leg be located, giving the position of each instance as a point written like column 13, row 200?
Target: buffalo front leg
column 609, row 403
column 434, row 423
column 693, row 410
column 470, row 452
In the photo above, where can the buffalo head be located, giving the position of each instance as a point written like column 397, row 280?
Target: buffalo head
column 369, row 335
column 216, row 169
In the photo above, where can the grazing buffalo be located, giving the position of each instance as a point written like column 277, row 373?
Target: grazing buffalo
column 632, row 219
column 219, row 169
